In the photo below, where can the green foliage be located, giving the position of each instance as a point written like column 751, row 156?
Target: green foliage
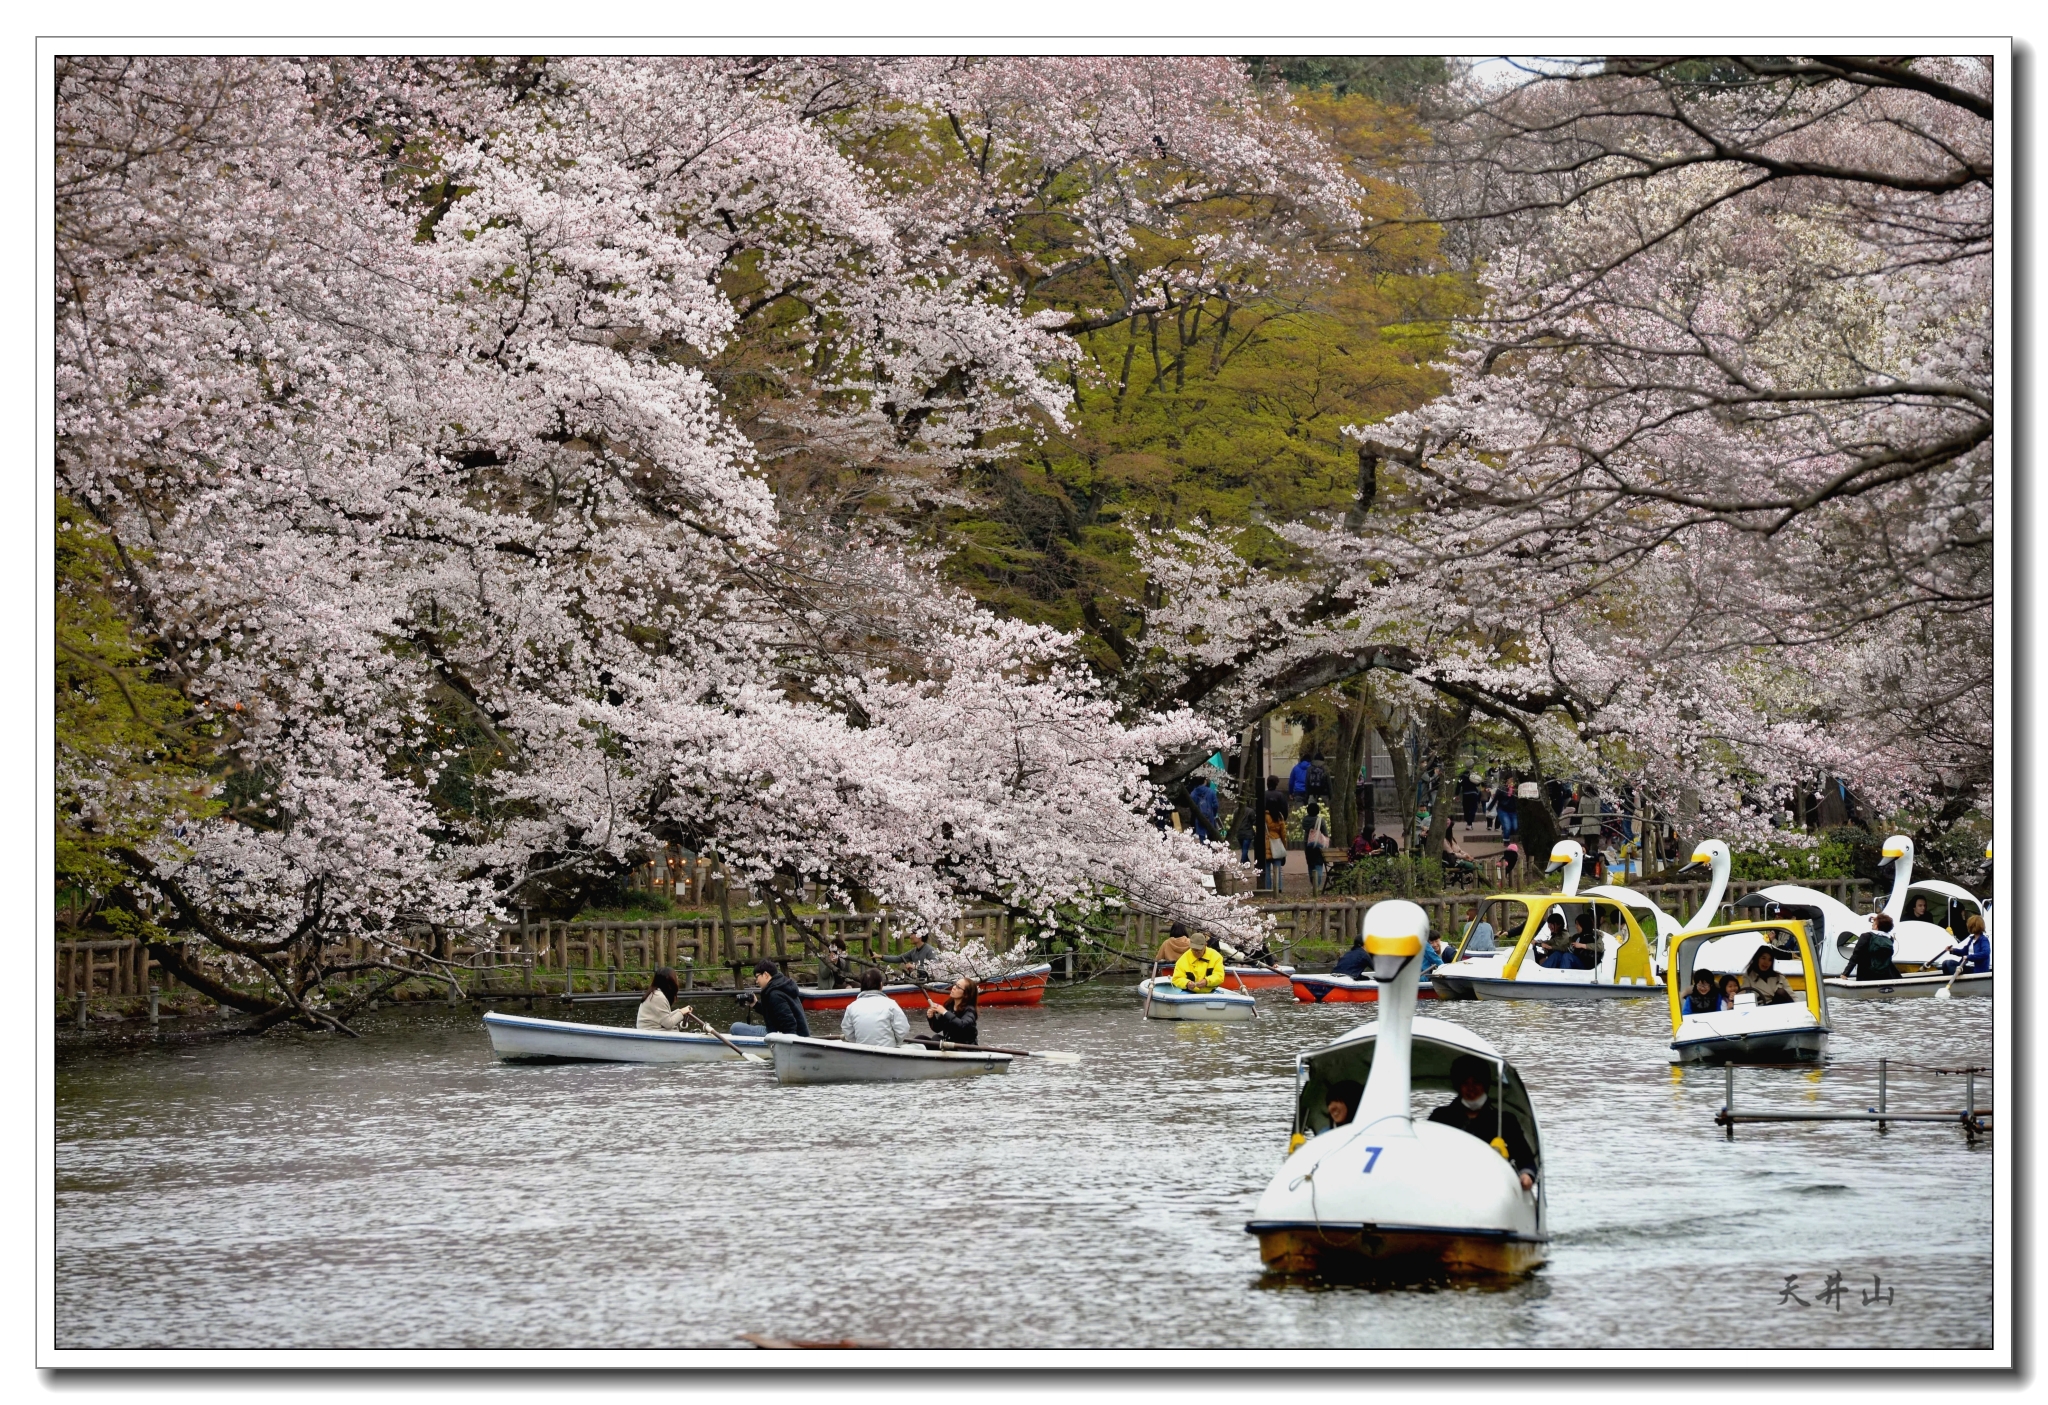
column 1227, row 410
column 1844, row 852
column 1387, row 78
column 132, row 755
column 1382, row 876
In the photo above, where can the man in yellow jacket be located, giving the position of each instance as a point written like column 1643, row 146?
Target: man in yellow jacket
column 1200, row 967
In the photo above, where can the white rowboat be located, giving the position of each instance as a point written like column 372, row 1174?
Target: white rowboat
column 802, row 1060
column 525, row 1037
column 1905, row 987
column 1166, row 1001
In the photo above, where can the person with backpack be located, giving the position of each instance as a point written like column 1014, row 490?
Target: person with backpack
column 1297, row 780
column 1871, row 958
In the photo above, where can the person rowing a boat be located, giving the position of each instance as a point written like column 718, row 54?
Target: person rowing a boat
column 1474, row 1111
column 873, row 1018
column 1973, row 952
column 657, row 1010
column 917, row 959
column 954, row 1021
column 1200, row 967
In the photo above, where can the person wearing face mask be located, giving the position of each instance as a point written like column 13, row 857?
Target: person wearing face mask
column 1475, row 1111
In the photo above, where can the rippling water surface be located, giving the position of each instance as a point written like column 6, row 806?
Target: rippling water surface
column 407, row 1190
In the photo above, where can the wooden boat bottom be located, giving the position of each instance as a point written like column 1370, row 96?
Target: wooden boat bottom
column 1374, row 1251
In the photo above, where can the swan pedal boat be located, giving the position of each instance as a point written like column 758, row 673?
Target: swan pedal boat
column 1332, row 989
column 1391, row 1193
column 1242, row 977
column 1166, row 1001
column 1626, row 968
column 1024, row 986
column 1793, row 1032
column 525, row 1037
column 802, row 1059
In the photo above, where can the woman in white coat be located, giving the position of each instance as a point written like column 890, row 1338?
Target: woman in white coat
column 656, row 1010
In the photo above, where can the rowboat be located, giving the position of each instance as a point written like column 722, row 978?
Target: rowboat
column 805, row 1060
column 1025, row 986
column 1791, row 1032
column 1389, row 1193
column 525, row 1037
column 1331, row 989
column 1908, row 986
column 1166, row 1001
column 1242, row 977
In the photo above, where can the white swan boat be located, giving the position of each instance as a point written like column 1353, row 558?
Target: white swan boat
column 800, row 1059
column 525, row 1037
column 1784, row 1033
column 1509, row 971
column 1659, row 926
column 1919, row 946
column 1388, row 1192
column 1166, row 1001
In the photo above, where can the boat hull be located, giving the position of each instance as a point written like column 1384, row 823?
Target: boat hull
column 1163, row 1001
column 1497, row 988
column 802, row 1060
column 1344, row 990
column 1909, row 987
column 1338, row 1250
column 525, row 1038
column 1025, row 987
column 1241, row 977
column 1759, row 1046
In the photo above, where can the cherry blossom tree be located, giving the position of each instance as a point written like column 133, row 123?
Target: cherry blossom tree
column 396, row 384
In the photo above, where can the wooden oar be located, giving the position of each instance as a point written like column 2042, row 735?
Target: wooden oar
column 750, row 1058
column 1050, row 1056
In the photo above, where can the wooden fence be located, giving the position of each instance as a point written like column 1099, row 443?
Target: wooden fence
column 699, row 946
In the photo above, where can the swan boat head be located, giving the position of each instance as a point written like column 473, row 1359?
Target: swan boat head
column 1569, row 856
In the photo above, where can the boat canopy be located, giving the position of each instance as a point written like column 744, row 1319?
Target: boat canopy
column 1518, row 919
column 1614, row 920
column 1435, row 1045
column 1782, row 934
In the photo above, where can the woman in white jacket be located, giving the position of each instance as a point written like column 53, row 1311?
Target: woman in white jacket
column 655, row 1011
column 873, row 1018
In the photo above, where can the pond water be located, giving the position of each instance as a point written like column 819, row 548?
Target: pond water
column 408, row 1190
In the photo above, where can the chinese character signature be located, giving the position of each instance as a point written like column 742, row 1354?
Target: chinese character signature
column 1833, row 1290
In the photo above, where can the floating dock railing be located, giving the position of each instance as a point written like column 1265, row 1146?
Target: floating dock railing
column 1974, row 1122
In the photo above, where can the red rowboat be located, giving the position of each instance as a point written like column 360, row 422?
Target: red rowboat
column 1343, row 990
column 1020, row 987
column 1242, row 977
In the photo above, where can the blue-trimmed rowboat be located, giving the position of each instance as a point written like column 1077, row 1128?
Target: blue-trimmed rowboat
column 1166, row 1001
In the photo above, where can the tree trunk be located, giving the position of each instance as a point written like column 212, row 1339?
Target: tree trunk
column 1354, row 735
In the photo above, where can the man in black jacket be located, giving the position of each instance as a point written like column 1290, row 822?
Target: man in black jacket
column 1475, row 1111
column 776, row 1001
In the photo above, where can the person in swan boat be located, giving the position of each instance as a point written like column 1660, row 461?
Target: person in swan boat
column 656, row 1011
column 1703, row 998
column 1762, row 980
column 1474, row 1111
